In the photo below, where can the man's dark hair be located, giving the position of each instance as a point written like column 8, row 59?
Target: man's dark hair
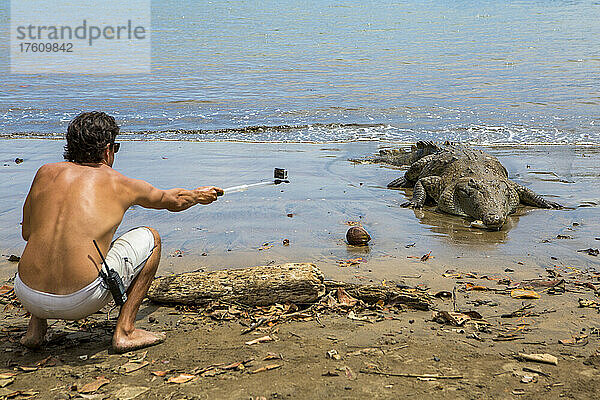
column 87, row 137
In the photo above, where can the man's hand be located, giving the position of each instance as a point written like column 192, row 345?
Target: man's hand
column 207, row 194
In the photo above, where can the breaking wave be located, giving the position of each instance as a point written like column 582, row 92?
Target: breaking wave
column 328, row 133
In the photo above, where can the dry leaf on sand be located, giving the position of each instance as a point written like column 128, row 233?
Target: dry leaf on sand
column 266, row 368
column 272, row 356
column 6, row 381
column 129, row 367
column 524, row 294
column 94, row 385
column 260, row 340
column 344, row 299
column 181, row 378
column 28, row 369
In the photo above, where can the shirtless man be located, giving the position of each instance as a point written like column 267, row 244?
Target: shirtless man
column 69, row 205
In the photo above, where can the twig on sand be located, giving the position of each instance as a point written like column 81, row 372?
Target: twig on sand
column 454, row 298
column 536, row 371
column 258, row 323
column 319, row 321
column 424, row 376
column 470, row 344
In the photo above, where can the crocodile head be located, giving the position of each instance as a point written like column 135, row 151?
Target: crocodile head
column 488, row 201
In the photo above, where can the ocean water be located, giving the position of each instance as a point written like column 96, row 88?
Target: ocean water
column 333, row 71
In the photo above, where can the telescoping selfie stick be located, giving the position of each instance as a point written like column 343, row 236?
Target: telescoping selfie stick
column 279, row 174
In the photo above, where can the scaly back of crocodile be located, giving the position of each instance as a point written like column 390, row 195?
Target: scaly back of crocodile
column 399, row 157
column 455, row 161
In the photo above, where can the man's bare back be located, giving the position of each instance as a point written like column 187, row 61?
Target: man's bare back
column 69, row 205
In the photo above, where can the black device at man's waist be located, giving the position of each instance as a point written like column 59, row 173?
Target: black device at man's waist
column 113, row 280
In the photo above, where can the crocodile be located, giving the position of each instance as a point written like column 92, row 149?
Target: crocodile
column 462, row 181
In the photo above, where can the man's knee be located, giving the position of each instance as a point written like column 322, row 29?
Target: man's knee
column 156, row 236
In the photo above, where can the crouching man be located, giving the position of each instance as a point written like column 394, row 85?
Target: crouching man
column 69, row 205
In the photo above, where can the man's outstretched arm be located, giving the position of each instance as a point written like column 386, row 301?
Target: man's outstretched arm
column 177, row 199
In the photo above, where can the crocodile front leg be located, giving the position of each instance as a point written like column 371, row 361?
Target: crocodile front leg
column 428, row 186
column 411, row 174
column 530, row 198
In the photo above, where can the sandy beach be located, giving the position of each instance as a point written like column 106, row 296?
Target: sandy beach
column 328, row 193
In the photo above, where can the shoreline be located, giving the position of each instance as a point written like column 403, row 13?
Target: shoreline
column 381, row 141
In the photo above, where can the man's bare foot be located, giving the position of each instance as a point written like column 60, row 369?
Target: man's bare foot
column 138, row 339
column 36, row 333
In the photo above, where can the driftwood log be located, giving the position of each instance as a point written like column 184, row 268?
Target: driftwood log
column 265, row 285
column 371, row 294
column 255, row 286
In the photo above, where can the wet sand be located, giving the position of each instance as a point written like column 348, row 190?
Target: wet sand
column 327, row 192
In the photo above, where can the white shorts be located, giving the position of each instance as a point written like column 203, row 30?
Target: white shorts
column 127, row 255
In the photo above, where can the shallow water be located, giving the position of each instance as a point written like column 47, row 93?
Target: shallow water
column 327, row 191
column 480, row 71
